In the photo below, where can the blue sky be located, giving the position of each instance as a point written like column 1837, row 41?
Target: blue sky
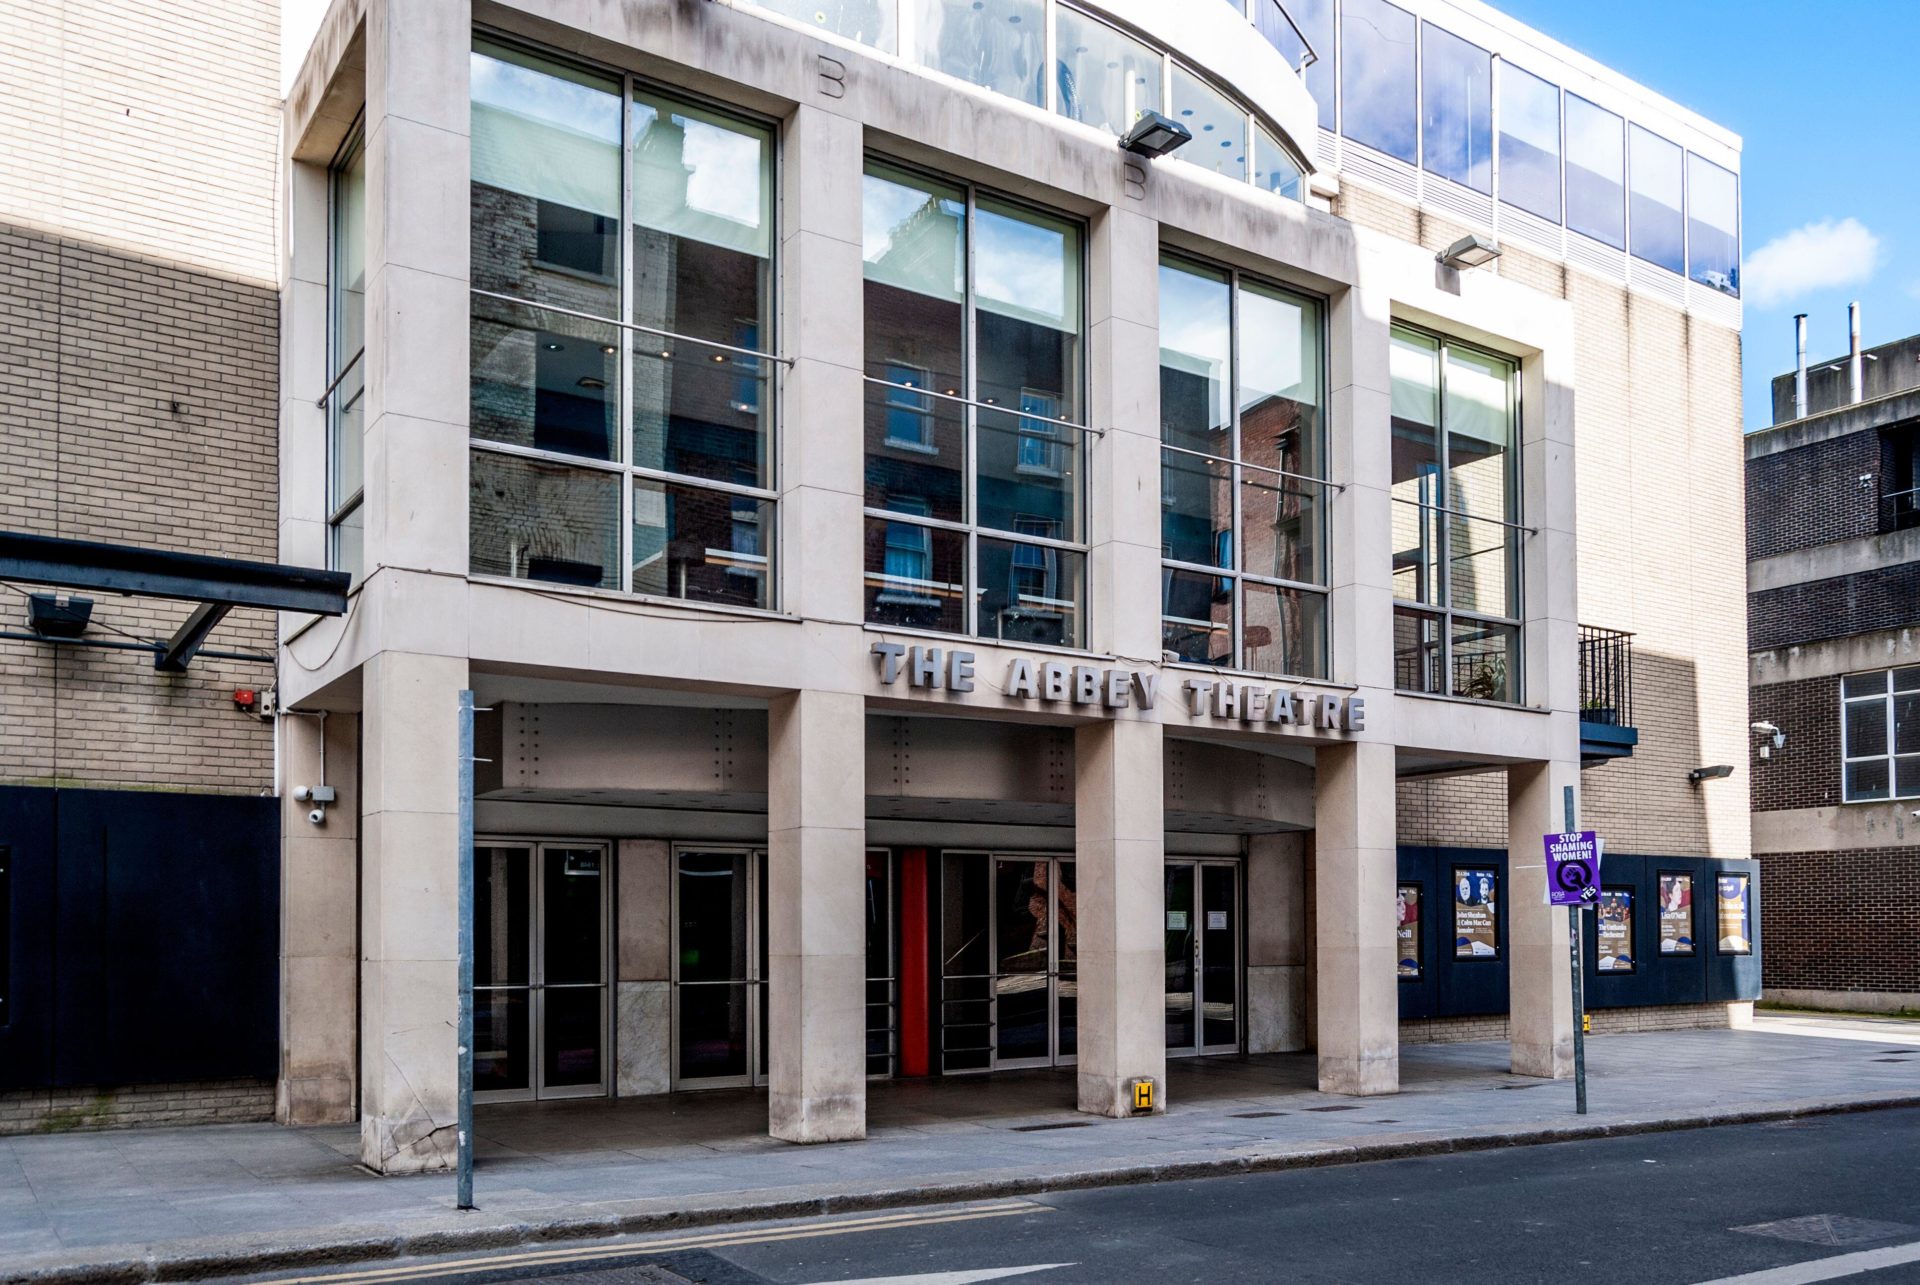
column 1824, row 97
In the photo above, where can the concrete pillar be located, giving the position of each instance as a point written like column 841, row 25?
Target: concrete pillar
column 822, row 464
column 643, row 999
column 1119, row 849
column 1540, row 1011
column 816, row 929
column 1360, row 518
column 409, row 890
column 1276, row 943
column 318, row 1081
column 418, row 172
column 1355, row 875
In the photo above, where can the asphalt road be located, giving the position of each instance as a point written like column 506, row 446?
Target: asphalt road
column 1672, row 1209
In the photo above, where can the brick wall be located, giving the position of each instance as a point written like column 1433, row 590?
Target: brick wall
column 1812, row 495
column 1606, row 1021
column 138, row 385
column 1454, row 812
column 1804, row 773
column 201, row 1102
column 1842, row 920
column 1887, row 598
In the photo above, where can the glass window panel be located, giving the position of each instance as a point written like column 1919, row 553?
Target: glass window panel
column 1906, row 723
column 1907, row 777
column 1486, row 660
column 915, row 575
column 531, row 520
column 1869, row 781
column 1614, row 931
column 1874, row 684
column 1654, row 183
column 1029, row 473
column 1417, row 540
column 1735, row 896
column 702, row 223
column 1279, row 378
column 349, row 541
column 1676, row 915
column 1479, row 424
column 871, row 22
column 502, row 916
column 1596, row 172
column 1529, row 142
column 573, row 919
column 546, row 180
column 1027, row 310
column 1271, row 20
column 1274, row 169
column 1196, row 616
column 1196, row 359
column 502, row 1040
column 1407, row 931
column 348, row 279
column 916, row 447
column 1284, row 631
column 1280, row 527
column 543, row 379
column 572, row 1019
column 349, row 412
column 1219, row 127
column 702, row 413
column 1415, row 370
column 1378, row 76
column 702, row 545
column 1713, row 226
column 1476, row 914
column 1419, row 655
column 1104, row 79
column 1906, row 680
column 1457, row 109
column 1480, row 567
column 1030, row 593
column 1315, row 18
column 1001, row 44
column 1196, row 509
column 1866, row 729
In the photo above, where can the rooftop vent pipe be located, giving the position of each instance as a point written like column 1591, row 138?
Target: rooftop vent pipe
column 1856, row 375
column 1800, row 365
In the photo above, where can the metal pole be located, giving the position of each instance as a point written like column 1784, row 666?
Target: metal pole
column 463, row 1161
column 1575, row 916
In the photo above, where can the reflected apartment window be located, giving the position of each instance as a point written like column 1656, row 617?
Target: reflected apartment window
column 622, row 429
column 1456, row 539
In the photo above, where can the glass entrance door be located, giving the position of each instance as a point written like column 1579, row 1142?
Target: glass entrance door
column 719, row 968
column 540, row 970
column 1203, row 957
column 1035, row 984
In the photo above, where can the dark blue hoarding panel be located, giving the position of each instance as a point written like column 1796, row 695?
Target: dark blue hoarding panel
column 26, row 937
column 1464, row 947
column 158, row 917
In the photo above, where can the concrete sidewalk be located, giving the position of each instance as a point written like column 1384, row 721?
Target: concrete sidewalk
column 172, row 1203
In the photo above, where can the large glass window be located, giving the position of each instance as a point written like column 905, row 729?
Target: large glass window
column 1102, row 77
column 1456, row 552
column 1654, row 184
column 1880, row 735
column 346, row 355
column 1001, row 44
column 975, row 412
column 622, row 410
column 1529, row 143
column 1596, row 173
column 1457, row 105
column 871, row 22
column 1242, row 491
column 1219, row 126
column 1378, row 77
column 1713, row 226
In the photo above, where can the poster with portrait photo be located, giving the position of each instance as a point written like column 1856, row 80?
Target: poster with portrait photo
column 1476, row 920
column 1615, row 931
column 1676, row 914
column 1736, row 915
column 1407, row 930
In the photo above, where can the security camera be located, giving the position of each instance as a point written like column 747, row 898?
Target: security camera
column 301, row 793
column 318, row 816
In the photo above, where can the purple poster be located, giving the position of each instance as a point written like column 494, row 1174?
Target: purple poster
column 1573, row 869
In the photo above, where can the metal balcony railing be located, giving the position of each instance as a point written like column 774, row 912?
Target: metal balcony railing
column 1900, row 510
column 1606, row 676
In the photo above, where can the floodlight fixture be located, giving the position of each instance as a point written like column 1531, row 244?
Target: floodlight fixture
column 1718, row 772
column 1470, row 251
column 1154, row 135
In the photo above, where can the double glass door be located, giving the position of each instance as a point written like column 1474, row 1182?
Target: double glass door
column 1009, row 961
column 540, row 969
column 1203, row 957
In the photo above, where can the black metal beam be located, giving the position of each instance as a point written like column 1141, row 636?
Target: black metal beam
column 155, row 573
column 188, row 638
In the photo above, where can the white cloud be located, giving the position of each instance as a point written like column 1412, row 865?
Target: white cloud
column 1817, row 256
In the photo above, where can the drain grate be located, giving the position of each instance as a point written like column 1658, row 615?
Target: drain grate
column 1339, row 1108
column 1048, row 1128
column 1828, row 1229
column 1256, row 1115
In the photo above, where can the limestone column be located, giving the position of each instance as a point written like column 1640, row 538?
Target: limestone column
column 1355, row 874
column 1276, row 943
column 1540, row 1011
column 816, row 929
column 1119, row 849
column 409, row 902
column 643, row 1000
column 318, row 1081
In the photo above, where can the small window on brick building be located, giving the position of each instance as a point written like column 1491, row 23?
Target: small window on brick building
column 1900, row 480
column 1880, row 735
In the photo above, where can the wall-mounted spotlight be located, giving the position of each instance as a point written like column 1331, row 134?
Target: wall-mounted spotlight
column 1469, row 251
column 1776, row 739
column 1718, row 772
column 1154, row 135
column 52, row 616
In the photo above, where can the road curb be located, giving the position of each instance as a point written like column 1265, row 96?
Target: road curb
column 199, row 1260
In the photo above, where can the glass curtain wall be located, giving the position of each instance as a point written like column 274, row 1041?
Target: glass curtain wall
column 1529, row 143
column 1596, row 173
column 975, row 421
column 1655, row 186
column 621, row 398
column 1713, row 225
column 1456, row 551
column 1456, row 141
column 1242, row 495
column 1379, row 69
column 346, row 353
